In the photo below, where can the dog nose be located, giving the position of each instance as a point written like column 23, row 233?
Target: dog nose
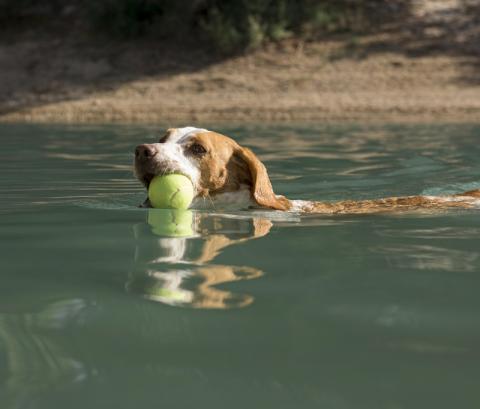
column 145, row 151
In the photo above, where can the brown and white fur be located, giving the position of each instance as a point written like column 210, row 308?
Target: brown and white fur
column 224, row 173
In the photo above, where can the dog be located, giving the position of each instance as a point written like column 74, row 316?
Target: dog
column 224, row 173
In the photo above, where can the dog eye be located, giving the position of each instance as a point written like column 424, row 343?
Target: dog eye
column 197, row 149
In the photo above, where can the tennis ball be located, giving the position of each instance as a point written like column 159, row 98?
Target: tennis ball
column 171, row 223
column 170, row 192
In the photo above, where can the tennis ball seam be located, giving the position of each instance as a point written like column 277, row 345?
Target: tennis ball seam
column 172, row 198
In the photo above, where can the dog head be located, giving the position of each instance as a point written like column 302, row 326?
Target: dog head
column 215, row 164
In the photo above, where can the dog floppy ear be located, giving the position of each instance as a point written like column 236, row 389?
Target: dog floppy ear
column 167, row 134
column 261, row 189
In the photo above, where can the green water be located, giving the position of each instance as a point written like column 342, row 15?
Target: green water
column 104, row 305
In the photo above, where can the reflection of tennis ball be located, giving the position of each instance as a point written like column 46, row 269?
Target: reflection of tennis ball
column 166, row 294
column 172, row 223
column 160, row 288
column 170, row 192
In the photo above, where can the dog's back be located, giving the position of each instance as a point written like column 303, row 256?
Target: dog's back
column 468, row 199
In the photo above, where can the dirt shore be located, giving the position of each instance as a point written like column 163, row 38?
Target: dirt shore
column 419, row 73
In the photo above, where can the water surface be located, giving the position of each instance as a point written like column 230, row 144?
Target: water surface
column 103, row 304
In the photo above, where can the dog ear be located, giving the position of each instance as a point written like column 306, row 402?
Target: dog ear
column 166, row 135
column 262, row 191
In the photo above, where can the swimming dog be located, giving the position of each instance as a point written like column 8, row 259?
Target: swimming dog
column 225, row 173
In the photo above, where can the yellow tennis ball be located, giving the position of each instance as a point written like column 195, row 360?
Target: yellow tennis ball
column 170, row 192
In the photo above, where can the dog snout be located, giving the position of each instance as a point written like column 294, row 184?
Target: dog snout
column 145, row 151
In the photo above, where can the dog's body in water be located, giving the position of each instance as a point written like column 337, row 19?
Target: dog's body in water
column 224, row 173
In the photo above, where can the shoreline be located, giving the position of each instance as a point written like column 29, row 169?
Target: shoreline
column 324, row 81
column 153, row 120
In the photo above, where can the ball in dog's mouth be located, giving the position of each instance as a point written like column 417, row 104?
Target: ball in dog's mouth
column 171, row 191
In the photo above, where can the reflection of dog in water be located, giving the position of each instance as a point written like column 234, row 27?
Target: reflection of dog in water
column 173, row 255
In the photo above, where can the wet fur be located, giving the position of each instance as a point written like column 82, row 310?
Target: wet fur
column 228, row 169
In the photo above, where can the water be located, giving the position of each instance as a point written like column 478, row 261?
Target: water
column 104, row 305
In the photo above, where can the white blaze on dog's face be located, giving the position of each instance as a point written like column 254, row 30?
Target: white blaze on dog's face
column 167, row 156
column 217, row 166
